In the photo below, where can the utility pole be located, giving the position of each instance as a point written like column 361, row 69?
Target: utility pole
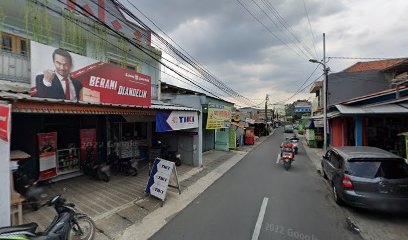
column 266, row 113
column 325, row 82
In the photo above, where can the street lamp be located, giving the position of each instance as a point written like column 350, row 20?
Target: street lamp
column 325, row 70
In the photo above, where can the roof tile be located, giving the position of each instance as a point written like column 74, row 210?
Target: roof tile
column 374, row 65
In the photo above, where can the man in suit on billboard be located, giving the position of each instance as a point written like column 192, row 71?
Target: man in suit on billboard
column 58, row 83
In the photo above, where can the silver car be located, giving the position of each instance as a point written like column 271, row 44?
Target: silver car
column 367, row 177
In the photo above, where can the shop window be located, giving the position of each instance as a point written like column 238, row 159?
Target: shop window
column 120, row 64
column 14, row 44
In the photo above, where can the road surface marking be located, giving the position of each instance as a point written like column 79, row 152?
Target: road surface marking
column 278, row 159
column 258, row 225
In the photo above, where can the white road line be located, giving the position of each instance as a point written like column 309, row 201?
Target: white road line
column 259, row 222
column 278, row 159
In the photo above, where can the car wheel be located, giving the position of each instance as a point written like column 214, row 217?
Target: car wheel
column 336, row 197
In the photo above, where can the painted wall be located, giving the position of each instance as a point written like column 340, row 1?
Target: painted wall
column 336, row 130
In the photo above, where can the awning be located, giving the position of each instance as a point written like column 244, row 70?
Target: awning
column 238, row 125
column 394, row 108
column 24, row 103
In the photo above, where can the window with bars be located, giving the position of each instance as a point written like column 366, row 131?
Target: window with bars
column 14, row 44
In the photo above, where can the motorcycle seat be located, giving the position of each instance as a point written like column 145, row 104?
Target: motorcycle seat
column 29, row 227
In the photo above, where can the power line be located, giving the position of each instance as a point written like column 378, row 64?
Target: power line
column 271, row 32
column 219, row 84
column 305, row 52
column 311, row 29
column 137, row 46
column 143, row 50
column 285, row 24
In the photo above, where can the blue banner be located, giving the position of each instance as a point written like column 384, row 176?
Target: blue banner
column 161, row 122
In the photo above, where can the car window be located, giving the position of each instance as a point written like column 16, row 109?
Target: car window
column 394, row 169
column 363, row 169
column 390, row 169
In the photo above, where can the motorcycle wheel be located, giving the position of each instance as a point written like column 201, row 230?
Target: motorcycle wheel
column 103, row 176
column 286, row 165
column 132, row 171
column 84, row 228
column 178, row 162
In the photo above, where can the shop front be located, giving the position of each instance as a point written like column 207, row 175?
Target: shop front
column 59, row 137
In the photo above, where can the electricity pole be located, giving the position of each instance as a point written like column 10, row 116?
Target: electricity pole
column 266, row 114
column 325, row 95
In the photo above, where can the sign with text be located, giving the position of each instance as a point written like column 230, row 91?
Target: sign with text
column 47, row 143
column 219, row 116
column 302, row 110
column 163, row 175
column 64, row 75
column 303, row 104
column 176, row 120
column 5, row 122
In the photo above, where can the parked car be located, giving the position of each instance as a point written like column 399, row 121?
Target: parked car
column 288, row 129
column 367, row 177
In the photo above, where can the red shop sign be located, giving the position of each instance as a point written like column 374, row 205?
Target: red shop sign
column 4, row 121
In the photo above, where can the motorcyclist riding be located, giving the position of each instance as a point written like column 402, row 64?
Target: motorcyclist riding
column 286, row 145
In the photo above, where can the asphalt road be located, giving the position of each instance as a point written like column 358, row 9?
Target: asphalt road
column 296, row 203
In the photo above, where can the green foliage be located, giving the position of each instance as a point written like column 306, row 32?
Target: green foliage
column 2, row 18
column 37, row 19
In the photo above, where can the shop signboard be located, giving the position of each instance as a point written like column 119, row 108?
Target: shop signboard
column 47, row 143
column 89, row 79
column 302, row 110
column 303, row 104
column 88, row 143
column 176, row 120
column 219, row 116
column 163, row 175
column 5, row 122
column 5, row 165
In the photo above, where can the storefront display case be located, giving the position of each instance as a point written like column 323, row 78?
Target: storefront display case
column 68, row 160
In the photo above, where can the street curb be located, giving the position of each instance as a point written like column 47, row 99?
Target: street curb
column 155, row 220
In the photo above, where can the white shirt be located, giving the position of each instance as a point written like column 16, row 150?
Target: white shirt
column 72, row 92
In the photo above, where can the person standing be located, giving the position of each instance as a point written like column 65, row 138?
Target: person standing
column 58, row 83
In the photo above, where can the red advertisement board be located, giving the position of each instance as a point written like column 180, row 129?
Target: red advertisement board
column 88, row 143
column 4, row 122
column 112, row 84
column 64, row 75
column 47, row 143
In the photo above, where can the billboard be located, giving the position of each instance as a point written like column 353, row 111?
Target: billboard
column 219, row 116
column 59, row 74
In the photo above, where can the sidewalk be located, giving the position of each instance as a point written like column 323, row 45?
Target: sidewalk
column 373, row 225
column 143, row 218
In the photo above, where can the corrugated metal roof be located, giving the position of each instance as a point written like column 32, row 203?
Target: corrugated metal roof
column 378, row 109
column 21, row 95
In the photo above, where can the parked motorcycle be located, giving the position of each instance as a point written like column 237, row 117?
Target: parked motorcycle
column 28, row 187
column 68, row 224
column 295, row 141
column 127, row 165
column 96, row 169
column 165, row 153
column 287, row 156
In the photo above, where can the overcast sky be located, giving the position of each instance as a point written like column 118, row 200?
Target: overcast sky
column 241, row 52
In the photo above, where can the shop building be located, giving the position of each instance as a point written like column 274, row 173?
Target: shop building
column 358, row 80
column 210, row 138
column 107, row 102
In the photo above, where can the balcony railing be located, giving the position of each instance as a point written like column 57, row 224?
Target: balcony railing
column 14, row 67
